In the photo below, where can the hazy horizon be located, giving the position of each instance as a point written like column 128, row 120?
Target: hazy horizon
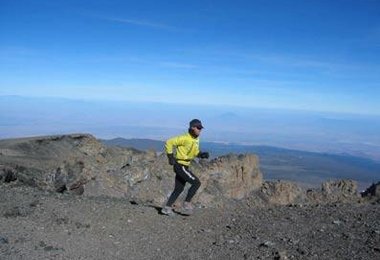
column 303, row 130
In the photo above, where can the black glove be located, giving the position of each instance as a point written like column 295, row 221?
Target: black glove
column 204, row 155
column 171, row 159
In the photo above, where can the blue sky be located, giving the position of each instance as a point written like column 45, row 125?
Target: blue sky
column 305, row 55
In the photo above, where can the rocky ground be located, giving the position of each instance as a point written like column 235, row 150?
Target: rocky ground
column 71, row 197
column 36, row 224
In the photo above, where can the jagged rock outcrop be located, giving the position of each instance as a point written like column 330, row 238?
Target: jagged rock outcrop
column 236, row 175
column 345, row 188
column 79, row 163
column 282, row 193
column 335, row 191
column 228, row 177
column 289, row 193
column 53, row 163
column 372, row 193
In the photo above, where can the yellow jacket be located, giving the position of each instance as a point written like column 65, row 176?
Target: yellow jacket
column 187, row 148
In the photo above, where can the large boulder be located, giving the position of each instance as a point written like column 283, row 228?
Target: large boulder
column 281, row 193
column 345, row 188
column 335, row 191
column 236, row 175
column 229, row 177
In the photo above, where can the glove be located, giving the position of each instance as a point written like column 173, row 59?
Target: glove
column 204, row 155
column 171, row 159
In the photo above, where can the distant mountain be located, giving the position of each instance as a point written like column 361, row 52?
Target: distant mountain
column 300, row 130
column 309, row 168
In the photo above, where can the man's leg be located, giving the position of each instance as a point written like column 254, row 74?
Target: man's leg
column 195, row 184
column 178, row 188
column 188, row 176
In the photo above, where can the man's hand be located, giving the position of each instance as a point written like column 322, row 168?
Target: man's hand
column 171, row 159
column 204, row 155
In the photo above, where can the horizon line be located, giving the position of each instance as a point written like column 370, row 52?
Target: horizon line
column 294, row 110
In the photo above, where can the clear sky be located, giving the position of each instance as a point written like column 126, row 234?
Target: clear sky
column 315, row 55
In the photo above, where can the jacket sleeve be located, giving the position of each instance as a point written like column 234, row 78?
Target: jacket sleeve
column 175, row 141
column 197, row 152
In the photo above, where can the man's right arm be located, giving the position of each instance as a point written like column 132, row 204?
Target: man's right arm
column 169, row 144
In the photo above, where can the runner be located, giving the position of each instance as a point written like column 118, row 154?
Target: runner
column 186, row 149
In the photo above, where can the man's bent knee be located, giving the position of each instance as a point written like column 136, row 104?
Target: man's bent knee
column 197, row 183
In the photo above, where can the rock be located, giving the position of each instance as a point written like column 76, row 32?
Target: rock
column 334, row 192
column 340, row 190
column 80, row 164
column 56, row 163
column 280, row 255
column 301, row 251
column 344, row 187
column 235, row 175
column 282, row 193
column 267, row 244
column 230, row 177
column 372, row 192
column 7, row 174
column 3, row 240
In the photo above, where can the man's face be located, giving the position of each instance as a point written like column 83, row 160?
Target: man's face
column 197, row 130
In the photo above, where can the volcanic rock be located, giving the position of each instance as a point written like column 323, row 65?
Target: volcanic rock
column 282, row 193
column 373, row 192
column 80, row 164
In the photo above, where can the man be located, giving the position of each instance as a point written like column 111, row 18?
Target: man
column 187, row 148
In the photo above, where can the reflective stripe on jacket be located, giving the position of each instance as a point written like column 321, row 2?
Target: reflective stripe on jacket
column 187, row 148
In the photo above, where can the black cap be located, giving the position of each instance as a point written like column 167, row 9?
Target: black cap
column 196, row 123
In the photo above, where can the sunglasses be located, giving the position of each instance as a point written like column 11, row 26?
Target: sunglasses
column 199, row 127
